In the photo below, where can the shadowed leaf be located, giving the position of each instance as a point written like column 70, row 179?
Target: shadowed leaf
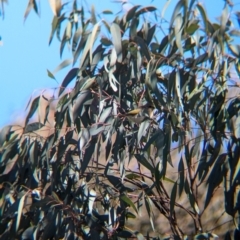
column 70, row 76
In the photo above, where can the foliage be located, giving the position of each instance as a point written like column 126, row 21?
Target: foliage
column 109, row 152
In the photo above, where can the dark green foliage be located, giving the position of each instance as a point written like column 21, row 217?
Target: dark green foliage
column 108, row 155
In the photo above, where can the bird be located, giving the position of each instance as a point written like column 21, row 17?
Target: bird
column 142, row 110
column 140, row 114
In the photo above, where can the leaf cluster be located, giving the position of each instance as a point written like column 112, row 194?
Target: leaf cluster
column 112, row 144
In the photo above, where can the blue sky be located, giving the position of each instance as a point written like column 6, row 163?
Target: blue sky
column 25, row 55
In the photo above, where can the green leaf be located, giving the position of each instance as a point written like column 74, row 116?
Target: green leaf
column 93, row 15
column 106, row 41
column 235, row 49
column 175, row 13
column 141, row 159
column 133, row 28
column 143, row 46
column 149, row 205
column 150, row 34
column 181, row 176
column 81, row 99
column 165, row 8
column 80, row 47
column 97, row 128
column 200, row 59
column 129, row 202
column 145, row 10
column 131, row 13
column 91, row 198
column 9, row 164
column 84, row 137
column 117, row 40
column 86, row 48
column 238, row 17
column 55, row 23
column 88, row 84
column 75, row 39
column 214, row 180
column 132, row 176
column 178, row 32
column 88, row 154
column 227, row 236
column 234, row 32
column 70, row 76
column 107, row 12
column 130, row 215
column 33, row 108
column 33, row 127
column 236, row 171
column 173, row 198
column 95, row 31
column 50, row 75
column 142, row 129
column 192, row 28
column 29, row 233
column 4, row 134
column 167, row 179
column 97, row 57
column 19, row 211
column 224, row 18
column 31, row 4
column 139, row 236
column 204, row 16
column 178, row 89
column 156, row 136
column 66, row 37
column 62, row 65
column 163, row 45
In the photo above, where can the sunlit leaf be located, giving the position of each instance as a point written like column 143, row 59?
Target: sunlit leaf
column 116, row 39
column 175, row 13
column 129, row 202
column 55, row 6
column 19, row 211
column 95, row 31
column 55, row 22
column 149, row 205
column 204, row 15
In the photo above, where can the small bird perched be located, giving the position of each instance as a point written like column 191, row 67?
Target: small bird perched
column 142, row 110
column 140, row 114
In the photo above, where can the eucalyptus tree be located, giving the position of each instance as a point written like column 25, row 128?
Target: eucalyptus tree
column 148, row 128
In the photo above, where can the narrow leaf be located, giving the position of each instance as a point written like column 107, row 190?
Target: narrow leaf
column 95, row 31
column 70, row 76
column 19, row 213
column 62, row 65
column 107, row 12
column 50, row 75
column 117, row 40
column 173, row 198
column 204, row 15
column 129, row 202
column 33, row 108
